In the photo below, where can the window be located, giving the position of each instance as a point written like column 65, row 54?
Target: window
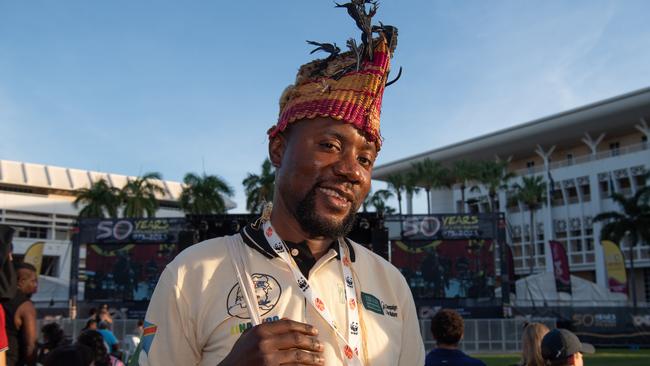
column 31, row 232
column 614, row 148
column 530, row 165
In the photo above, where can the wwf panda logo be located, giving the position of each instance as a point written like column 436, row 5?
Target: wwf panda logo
column 349, row 282
column 302, row 283
column 354, row 328
column 278, row 247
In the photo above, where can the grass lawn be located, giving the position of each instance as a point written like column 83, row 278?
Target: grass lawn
column 603, row 357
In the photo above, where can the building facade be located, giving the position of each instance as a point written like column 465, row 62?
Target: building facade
column 585, row 153
column 37, row 200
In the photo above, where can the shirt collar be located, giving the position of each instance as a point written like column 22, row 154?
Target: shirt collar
column 254, row 238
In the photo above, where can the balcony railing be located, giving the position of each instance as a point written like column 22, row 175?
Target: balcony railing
column 630, row 149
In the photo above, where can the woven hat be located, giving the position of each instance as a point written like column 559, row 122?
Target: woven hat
column 345, row 86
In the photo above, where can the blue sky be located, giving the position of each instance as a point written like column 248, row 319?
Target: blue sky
column 135, row 86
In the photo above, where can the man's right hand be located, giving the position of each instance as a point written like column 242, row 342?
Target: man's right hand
column 283, row 342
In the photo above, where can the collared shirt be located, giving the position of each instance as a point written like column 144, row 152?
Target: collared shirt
column 197, row 312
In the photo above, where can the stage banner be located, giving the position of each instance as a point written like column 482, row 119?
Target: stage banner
column 615, row 264
column 121, row 231
column 446, row 269
column 449, row 227
column 560, row 267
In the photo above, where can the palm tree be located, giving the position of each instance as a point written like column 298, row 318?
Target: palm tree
column 397, row 183
column 431, row 175
column 493, row 175
column 632, row 224
column 100, row 198
column 532, row 194
column 204, row 194
column 463, row 172
column 139, row 195
column 378, row 200
column 259, row 188
column 410, row 184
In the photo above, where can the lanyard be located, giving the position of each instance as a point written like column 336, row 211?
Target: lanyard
column 351, row 347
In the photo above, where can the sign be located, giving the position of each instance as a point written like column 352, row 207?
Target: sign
column 34, row 255
column 120, row 231
column 560, row 267
column 615, row 264
column 449, row 226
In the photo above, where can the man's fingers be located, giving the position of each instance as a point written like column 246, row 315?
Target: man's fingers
column 297, row 340
column 299, row 357
column 287, row 326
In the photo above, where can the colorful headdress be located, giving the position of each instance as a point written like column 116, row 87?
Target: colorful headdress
column 345, row 86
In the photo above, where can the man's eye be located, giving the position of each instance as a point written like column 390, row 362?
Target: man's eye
column 364, row 161
column 329, row 146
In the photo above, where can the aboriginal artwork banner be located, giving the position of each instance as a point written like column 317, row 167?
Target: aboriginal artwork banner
column 446, row 269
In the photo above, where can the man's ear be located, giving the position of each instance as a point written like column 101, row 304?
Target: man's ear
column 277, row 146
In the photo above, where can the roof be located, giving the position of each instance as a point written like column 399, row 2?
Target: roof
column 614, row 116
column 21, row 174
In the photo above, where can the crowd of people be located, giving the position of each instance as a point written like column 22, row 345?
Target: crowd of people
column 540, row 346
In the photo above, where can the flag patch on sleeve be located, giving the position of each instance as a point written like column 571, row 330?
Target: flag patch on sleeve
column 147, row 335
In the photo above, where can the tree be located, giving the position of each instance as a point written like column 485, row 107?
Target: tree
column 98, row 200
column 259, row 188
column 204, row 194
column 532, row 194
column 139, row 195
column 493, row 175
column 431, row 175
column 631, row 224
column 464, row 172
column 378, row 200
column 397, row 183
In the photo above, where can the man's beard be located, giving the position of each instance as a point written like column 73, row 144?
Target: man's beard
column 316, row 225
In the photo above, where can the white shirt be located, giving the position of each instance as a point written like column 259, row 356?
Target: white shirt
column 197, row 311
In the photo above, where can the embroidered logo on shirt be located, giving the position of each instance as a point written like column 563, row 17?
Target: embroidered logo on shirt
column 147, row 335
column 268, row 293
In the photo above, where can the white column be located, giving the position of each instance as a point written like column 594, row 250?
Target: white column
column 548, row 212
column 596, row 206
column 409, row 203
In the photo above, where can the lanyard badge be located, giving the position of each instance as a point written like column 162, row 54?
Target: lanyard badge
column 351, row 347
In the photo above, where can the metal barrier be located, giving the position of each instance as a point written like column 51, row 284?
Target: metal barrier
column 481, row 335
column 487, row 335
column 72, row 327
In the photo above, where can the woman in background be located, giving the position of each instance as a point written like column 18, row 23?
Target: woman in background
column 531, row 340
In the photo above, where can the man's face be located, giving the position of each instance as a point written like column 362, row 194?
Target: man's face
column 27, row 281
column 324, row 174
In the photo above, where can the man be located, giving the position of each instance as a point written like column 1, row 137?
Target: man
column 21, row 318
column 7, row 285
column 321, row 298
column 560, row 347
column 448, row 327
column 109, row 338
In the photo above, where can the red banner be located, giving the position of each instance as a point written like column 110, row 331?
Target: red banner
column 560, row 267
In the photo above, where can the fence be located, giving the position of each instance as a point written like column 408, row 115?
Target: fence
column 487, row 335
column 481, row 335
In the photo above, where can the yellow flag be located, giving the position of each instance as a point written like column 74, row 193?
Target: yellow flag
column 34, row 255
column 615, row 264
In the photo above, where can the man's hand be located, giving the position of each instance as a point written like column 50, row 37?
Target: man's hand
column 284, row 342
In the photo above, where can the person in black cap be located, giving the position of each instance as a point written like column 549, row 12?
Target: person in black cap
column 561, row 347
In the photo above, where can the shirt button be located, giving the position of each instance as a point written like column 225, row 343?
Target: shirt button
column 294, row 252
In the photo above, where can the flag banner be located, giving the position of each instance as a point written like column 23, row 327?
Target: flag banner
column 615, row 265
column 560, row 267
column 34, row 255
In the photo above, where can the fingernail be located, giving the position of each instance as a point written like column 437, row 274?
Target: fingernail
column 321, row 360
column 314, row 331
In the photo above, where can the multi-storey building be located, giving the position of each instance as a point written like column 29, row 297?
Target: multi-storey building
column 37, row 200
column 588, row 152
